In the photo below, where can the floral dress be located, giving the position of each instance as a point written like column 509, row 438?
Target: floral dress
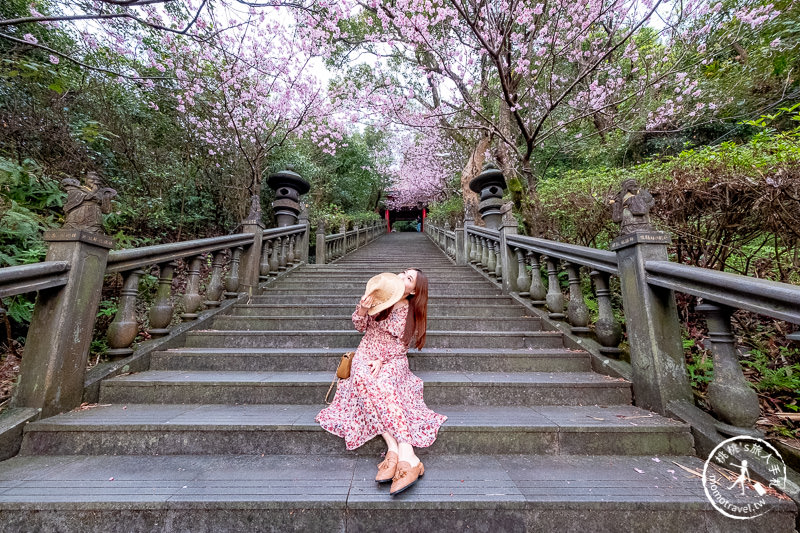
column 364, row 406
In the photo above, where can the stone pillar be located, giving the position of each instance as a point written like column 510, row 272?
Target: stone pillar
column 508, row 258
column 56, row 351
column 321, row 244
column 250, row 263
column 461, row 245
column 659, row 372
column 489, row 184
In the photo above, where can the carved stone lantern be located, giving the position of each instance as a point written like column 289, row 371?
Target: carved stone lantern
column 288, row 187
column 490, row 184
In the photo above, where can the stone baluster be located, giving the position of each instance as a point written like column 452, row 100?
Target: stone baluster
column 192, row 298
column 284, row 253
column 263, row 267
column 484, row 254
column 729, row 394
column 124, row 328
column 577, row 311
column 498, row 263
column 215, row 288
column 523, row 282
column 291, row 256
column 607, row 329
column 474, row 250
column 274, row 262
column 537, row 291
column 491, row 260
column 162, row 308
column 554, row 298
column 232, row 280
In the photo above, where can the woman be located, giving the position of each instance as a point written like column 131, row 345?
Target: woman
column 382, row 396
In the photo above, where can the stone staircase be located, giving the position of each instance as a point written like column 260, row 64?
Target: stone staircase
column 219, row 435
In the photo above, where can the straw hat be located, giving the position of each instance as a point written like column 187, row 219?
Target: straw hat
column 387, row 289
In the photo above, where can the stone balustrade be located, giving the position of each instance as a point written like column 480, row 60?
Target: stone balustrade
column 444, row 238
column 331, row 247
column 531, row 268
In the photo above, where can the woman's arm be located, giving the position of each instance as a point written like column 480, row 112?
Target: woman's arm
column 360, row 321
column 360, row 317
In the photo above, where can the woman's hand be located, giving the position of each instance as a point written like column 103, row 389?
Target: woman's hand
column 365, row 303
column 375, row 364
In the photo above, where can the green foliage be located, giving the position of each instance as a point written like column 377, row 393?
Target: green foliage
column 699, row 365
column 712, row 199
column 774, row 376
column 450, row 210
column 28, row 202
column 19, row 308
column 404, row 225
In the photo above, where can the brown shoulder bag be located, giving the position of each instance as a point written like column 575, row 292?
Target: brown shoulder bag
column 342, row 372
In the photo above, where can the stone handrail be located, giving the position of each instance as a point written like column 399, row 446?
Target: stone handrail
column 30, row 278
column 593, row 258
column 761, row 296
column 130, row 258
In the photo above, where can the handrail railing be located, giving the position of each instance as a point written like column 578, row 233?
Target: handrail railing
column 761, row 296
column 593, row 258
column 21, row 279
column 130, row 258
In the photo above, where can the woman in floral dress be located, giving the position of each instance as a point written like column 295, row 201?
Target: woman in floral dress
column 382, row 396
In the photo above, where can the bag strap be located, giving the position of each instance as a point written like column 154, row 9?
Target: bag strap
column 335, row 379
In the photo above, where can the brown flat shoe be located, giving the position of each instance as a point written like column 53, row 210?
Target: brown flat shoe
column 406, row 476
column 387, row 468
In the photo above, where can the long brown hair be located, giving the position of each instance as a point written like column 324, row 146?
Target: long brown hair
column 417, row 319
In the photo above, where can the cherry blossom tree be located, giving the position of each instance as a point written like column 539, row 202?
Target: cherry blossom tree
column 250, row 90
column 423, row 171
column 525, row 72
column 234, row 72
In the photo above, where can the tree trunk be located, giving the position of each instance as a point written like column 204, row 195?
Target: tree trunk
column 471, row 170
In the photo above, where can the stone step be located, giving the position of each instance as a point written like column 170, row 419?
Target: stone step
column 495, row 310
column 450, row 272
column 291, row 284
column 466, row 323
column 356, row 292
column 337, row 299
column 350, row 339
column 136, row 429
column 503, row 493
column 443, row 388
column 278, row 359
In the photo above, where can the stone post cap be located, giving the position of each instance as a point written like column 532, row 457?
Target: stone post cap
column 77, row 235
column 640, row 237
